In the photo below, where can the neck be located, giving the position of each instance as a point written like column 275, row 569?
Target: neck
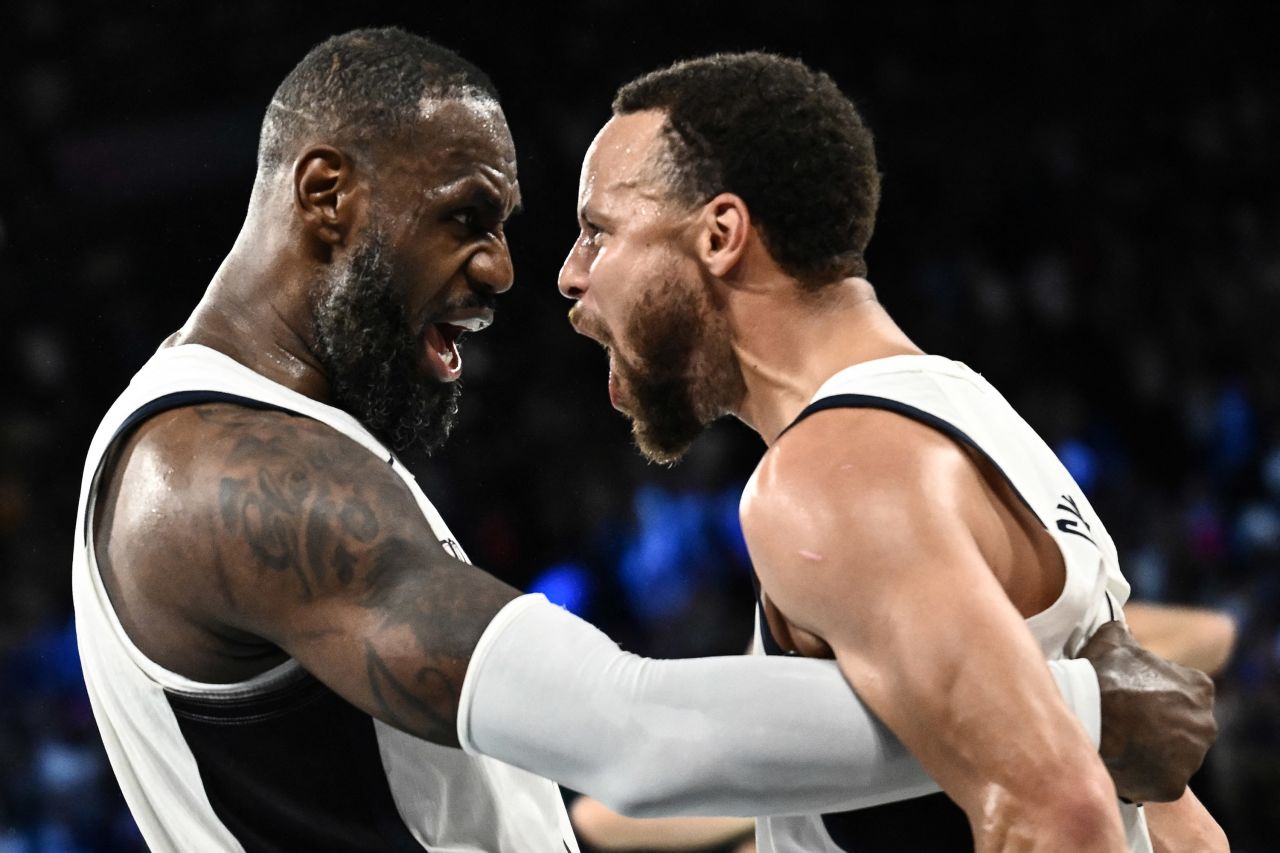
column 256, row 309
column 789, row 342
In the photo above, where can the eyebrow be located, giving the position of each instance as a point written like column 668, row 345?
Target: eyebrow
column 588, row 213
column 494, row 202
column 477, row 191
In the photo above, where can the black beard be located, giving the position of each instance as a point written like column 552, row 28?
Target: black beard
column 373, row 356
column 688, row 376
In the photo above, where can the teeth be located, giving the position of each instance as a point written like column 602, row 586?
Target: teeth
column 471, row 324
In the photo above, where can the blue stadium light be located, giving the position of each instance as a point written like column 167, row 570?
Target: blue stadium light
column 1081, row 461
column 565, row 584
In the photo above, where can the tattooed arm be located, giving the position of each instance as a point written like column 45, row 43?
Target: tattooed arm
column 248, row 534
column 230, row 538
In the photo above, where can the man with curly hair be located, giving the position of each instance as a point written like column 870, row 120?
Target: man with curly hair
column 904, row 519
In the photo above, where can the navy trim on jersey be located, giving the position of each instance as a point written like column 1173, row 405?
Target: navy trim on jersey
column 180, row 399
column 293, row 768
column 296, row 768
column 930, row 824
column 868, row 401
column 767, row 641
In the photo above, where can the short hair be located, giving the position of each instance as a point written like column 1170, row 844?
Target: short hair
column 364, row 86
column 781, row 136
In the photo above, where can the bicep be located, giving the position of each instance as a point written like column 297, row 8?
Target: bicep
column 898, row 587
column 928, row 641
column 327, row 556
column 398, row 642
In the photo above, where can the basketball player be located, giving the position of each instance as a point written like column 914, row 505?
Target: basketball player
column 1197, row 637
column 283, row 643
column 904, row 519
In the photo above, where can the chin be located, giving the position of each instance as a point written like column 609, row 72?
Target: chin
column 663, row 447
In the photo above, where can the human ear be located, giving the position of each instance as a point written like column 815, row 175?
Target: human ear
column 726, row 227
column 323, row 180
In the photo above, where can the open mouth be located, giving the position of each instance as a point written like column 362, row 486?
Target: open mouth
column 588, row 328
column 442, row 339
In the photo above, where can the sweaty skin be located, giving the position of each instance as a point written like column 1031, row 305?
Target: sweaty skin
column 921, row 545
column 230, row 538
column 876, row 540
column 304, row 544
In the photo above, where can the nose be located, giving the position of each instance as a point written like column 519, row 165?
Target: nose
column 573, row 273
column 491, row 267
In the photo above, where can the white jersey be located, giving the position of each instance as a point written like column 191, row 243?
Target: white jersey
column 278, row 762
column 951, row 398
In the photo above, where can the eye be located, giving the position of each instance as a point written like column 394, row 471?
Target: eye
column 591, row 233
column 476, row 221
column 467, row 217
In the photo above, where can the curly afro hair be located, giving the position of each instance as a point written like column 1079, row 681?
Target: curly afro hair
column 781, row 136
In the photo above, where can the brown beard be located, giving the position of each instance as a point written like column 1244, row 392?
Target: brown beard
column 685, row 375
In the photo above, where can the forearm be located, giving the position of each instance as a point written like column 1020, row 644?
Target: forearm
column 996, row 738
column 712, row 736
column 605, row 829
column 1029, row 779
column 1078, row 816
column 1033, row 783
column 1183, row 826
column 1192, row 636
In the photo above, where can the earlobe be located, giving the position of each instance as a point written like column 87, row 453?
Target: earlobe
column 728, row 225
column 322, row 176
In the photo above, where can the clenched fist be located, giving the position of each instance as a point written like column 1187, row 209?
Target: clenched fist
column 1157, row 716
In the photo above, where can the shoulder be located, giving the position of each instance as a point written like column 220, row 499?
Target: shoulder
column 859, row 510
column 207, row 504
column 203, row 451
column 859, row 466
column 855, row 502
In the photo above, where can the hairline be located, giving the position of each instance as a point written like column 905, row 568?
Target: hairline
column 367, row 140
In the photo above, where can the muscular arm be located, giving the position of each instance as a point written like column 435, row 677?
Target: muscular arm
column 860, row 527
column 253, row 532
column 280, row 529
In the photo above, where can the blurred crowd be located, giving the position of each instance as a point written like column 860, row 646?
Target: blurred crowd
column 1083, row 206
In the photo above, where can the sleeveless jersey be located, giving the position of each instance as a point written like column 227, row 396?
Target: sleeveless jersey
column 952, row 399
column 278, row 762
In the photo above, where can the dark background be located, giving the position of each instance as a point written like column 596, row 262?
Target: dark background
column 1082, row 205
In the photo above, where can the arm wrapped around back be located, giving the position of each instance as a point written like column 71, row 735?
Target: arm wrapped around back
column 740, row 735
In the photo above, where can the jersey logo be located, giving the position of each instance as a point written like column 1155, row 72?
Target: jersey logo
column 454, row 549
column 1074, row 520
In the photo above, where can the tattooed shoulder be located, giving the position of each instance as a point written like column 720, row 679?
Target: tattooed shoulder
column 294, row 534
column 301, row 503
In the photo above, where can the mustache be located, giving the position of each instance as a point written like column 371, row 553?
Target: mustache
column 588, row 326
